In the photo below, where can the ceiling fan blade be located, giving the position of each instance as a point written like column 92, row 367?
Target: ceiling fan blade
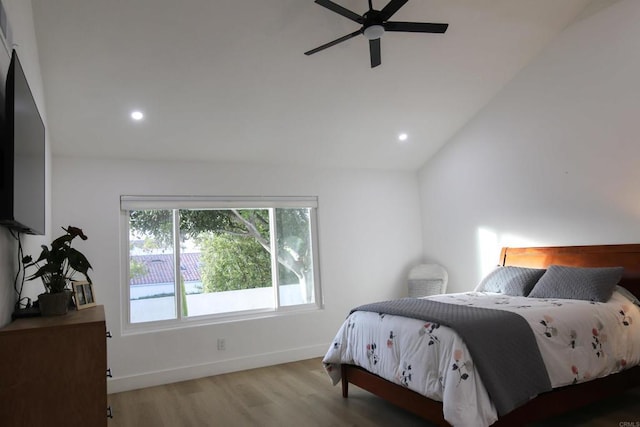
column 341, row 10
column 391, row 8
column 415, row 27
column 374, row 50
column 333, row 43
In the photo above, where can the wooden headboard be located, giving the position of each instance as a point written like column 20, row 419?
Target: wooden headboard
column 627, row 256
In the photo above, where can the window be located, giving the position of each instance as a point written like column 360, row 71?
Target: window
column 207, row 257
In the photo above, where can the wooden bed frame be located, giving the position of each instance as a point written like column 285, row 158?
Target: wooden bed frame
column 549, row 404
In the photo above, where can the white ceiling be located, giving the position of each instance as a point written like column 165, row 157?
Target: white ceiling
column 227, row 80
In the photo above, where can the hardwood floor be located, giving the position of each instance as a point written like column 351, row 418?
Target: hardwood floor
column 300, row 394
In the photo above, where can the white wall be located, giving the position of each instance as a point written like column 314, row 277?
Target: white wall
column 369, row 237
column 20, row 18
column 552, row 160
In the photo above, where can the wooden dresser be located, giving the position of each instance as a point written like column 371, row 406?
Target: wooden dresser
column 53, row 370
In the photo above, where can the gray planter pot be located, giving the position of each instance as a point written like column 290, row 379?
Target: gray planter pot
column 54, row 304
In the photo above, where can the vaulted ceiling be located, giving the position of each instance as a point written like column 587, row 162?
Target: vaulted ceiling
column 227, row 80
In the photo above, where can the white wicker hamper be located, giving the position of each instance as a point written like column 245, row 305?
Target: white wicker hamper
column 427, row 279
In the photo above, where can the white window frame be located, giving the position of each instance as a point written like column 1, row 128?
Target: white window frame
column 129, row 203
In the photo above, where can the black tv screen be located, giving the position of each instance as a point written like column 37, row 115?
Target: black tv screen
column 22, row 156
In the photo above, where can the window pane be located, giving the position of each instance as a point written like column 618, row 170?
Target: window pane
column 231, row 259
column 295, row 257
column 151, row 266
column 225, row 260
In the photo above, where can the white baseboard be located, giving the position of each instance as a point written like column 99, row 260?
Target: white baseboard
column 183, row 373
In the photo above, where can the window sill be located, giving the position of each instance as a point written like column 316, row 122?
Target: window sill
column 129, row 329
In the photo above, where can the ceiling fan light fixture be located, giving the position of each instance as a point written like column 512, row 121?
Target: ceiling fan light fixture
column 373, row 32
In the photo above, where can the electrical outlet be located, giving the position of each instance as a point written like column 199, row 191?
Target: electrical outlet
column 222, row 345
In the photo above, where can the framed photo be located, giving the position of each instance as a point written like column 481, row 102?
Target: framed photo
column 83, row 295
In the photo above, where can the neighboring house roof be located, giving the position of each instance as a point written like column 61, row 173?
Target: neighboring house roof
column 160, row 268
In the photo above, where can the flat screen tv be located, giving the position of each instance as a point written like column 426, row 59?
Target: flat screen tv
column 22, row 156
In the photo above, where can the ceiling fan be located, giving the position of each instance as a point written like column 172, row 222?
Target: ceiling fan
column 374, row 24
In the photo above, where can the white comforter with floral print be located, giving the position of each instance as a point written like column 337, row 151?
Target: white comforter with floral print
column 578, row 340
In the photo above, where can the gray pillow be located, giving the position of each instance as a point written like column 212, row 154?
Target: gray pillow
column 510, row 280
column 584, row 283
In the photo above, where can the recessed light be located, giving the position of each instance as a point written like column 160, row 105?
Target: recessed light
column 403, row 137
column 137, row 115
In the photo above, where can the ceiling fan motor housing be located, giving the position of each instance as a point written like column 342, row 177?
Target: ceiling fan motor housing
column 372, row 27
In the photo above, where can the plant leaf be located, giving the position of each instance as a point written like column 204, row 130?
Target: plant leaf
column 44, row 254
column 61, row 241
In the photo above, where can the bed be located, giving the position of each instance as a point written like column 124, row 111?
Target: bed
column 560, row 399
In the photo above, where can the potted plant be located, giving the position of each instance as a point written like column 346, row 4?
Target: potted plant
column 57, row 267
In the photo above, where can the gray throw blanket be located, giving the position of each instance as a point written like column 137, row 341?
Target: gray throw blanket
column 501, row 343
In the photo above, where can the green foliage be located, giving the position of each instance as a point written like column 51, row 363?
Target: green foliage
column 149, row 245
column 236, row 243
column 294, row 243
column 157, row 223
column 232, row 262
column 183, row 297
column 58, row 265
column 137, row 269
